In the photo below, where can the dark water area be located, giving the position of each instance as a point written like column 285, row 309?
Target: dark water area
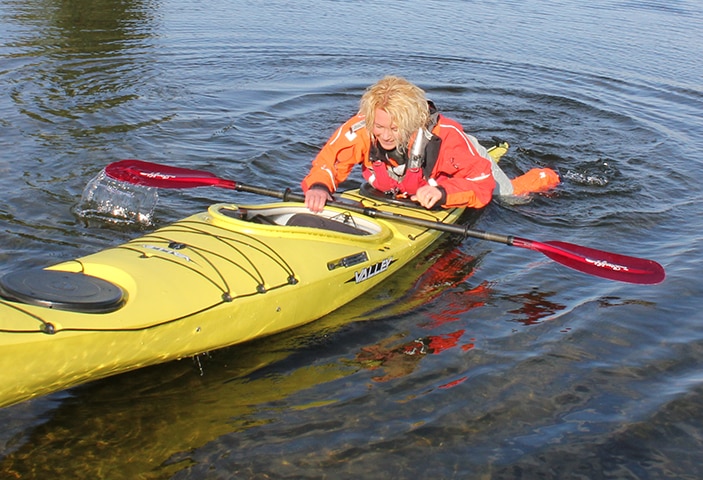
column 543, row 372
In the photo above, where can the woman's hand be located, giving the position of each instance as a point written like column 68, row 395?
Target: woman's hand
column 427, row 196
column 316, row 198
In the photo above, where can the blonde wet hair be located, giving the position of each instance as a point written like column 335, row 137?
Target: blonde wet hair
column 404, row 102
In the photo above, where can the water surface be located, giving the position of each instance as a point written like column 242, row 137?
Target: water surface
column 542, row 371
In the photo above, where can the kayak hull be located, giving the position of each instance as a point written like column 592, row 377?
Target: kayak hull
column 212, row 280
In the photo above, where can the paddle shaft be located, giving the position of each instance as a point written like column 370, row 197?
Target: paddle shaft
column 289, row 196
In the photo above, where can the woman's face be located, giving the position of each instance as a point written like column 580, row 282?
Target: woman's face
column 385, row 131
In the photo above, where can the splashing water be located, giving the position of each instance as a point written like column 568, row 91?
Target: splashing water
column 598, row 175
column 113, row 201
column 586, row 179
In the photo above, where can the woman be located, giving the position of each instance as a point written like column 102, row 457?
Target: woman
column 405, row 147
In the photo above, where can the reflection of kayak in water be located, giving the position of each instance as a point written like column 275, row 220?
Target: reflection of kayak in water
column 215, row 279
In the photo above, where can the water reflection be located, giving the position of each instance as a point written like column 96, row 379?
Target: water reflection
column 535, row 306
column 399, row 357
column 444, row 293
column 87, row 58
column 104, row 433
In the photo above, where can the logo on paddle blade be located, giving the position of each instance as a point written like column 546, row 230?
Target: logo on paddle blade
column 160, row 176
column 611, row 266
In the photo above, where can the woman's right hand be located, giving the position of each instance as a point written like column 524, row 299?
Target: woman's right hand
column 316, row 198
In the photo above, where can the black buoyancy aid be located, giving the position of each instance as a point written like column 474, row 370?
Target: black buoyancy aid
column 434, row 142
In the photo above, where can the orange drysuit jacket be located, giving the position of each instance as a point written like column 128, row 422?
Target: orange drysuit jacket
column 463, row 174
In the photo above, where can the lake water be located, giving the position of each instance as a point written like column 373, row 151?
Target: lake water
column 545, row 372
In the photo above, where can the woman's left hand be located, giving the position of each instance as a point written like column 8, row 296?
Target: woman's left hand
column 427, row 196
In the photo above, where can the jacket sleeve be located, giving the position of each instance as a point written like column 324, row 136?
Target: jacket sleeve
column 346, row 147
column 463, row 174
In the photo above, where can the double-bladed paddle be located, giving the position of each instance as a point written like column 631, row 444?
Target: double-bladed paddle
column 595, row 262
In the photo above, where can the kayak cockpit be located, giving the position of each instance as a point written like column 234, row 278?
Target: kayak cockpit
column 298, row 216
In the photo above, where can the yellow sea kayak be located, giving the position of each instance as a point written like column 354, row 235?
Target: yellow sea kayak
column 214, row 279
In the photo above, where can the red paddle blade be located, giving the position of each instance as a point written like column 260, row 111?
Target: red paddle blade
column 149, row 174
column 612, row 266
